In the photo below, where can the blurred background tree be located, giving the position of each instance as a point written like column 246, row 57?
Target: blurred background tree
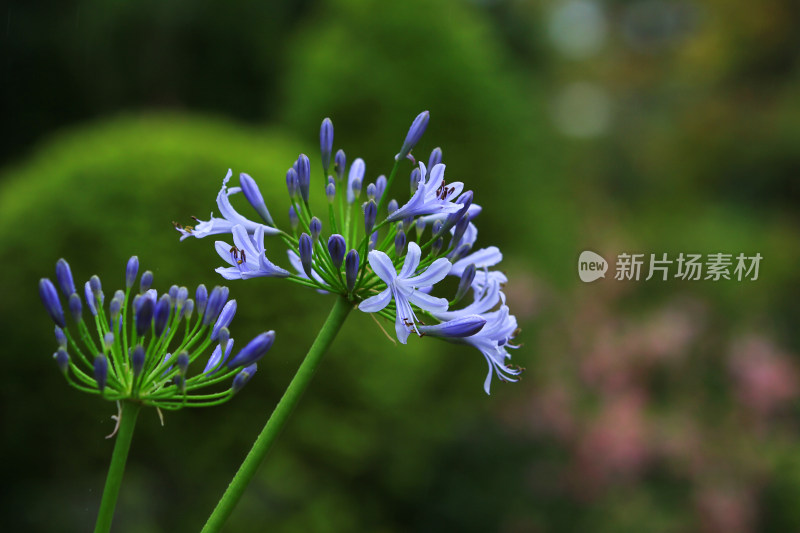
column 649, row 126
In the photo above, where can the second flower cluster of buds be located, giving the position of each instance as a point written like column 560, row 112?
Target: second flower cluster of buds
column 140, row 346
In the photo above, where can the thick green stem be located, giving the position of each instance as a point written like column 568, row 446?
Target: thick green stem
column 127, row 421
column 279, row 416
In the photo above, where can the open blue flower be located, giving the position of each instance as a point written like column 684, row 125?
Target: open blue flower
column 247, row 256
column 403, row 287
column 231, row 218
column 433, row 196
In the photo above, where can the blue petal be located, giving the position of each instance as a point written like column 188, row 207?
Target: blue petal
column 377, row 302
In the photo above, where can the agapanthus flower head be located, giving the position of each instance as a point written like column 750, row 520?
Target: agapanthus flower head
column 385, row 255
column 150, row 361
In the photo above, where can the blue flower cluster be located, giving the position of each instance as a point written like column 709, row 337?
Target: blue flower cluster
column 409, row 248
column 147, row 359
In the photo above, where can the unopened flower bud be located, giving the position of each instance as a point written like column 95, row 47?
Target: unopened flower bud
column 87, row 293
column 254, row 350
column 337, row 248
column 437, row 246
column 182, row 362
column 373, row 241
column 146, row 282
column 305, row 248
column 435, row 158
column 61, row 338
column 161, row 314
column 330, row 192
column 392, row 207
column 64, row 277
column 293, row 220
column 467, row 277
column 458, row 232
column 326, row 142
column 315, row 227
column 380, row 187
column 49, row 296
column 131, row 269
column 62, row 360
column 75, row 307
column 216, row 301
column 188, row 308
column 371, row 191
column 303, row 176
column 340, row 161
column 108, row 340
column 370, row 213
column 243, row 377
column 201, row 299
column 459, row 252
column 414, row 133
column 137, row 359
column 292, row 184
column 351, row 269
column 101, row 371
column 399, row 243
column 414, row 181
column 253, row 195
column 143, row 315
column 224, row 320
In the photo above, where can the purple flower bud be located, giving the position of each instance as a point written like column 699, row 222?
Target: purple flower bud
column 459, row 252
column 61, row 338
column 351, row 269
column 380, row 187
column 330, row 192
column 466, row 201
column 62, row 360
column 108, row 340
column 143, row 315
column 337, row 248
column 96, row 286
column 435, row 158
column 371, row 191
column 49, row 296
column 173, row 293
column 188, row 308
column 355, row 187
column 137, row 359
column 224, row 337
column 243, row 377
column 224, row 320
column 326, row 142
column 461, row 327
column 305, row 253
column 458, row 232
column 115, row 307
column 373, row 241
column 303, row 176
column 467, row 277
column 216, row 301
column 145, row 282
column 437, row 227
column 253, row 195
column 315, row 226
column 182, row 362
column 183, row 294
column 392, row 207
column 216, row 360
column 201, row 299
column 254, row 350
column 420, row 227
column 340, row 162
column 407, row 223
column 75, row 307
column 292, row 184
column 64, row 277
column 131, row 270
column 161, row 314
column 436, row 247
column 100, row 371
column 180, row 382
column 399, row 243
column 87, row 292
column 370, row 212
column 293, row 220
column 414, row 180
column 354, row 180
column 414, row 133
